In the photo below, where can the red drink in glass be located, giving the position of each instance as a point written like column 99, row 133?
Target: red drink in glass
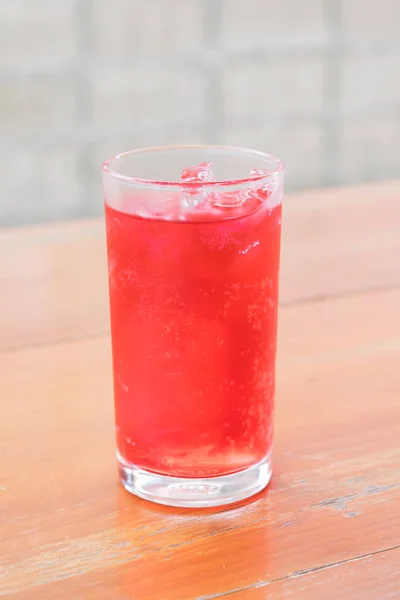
column 193, row 298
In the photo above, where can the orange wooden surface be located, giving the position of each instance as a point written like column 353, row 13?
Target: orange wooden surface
column 329, row 523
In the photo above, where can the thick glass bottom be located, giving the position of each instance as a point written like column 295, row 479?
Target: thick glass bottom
column 192, row 492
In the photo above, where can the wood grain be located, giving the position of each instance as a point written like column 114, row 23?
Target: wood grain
column 337, row 480
column 342, row 240
column 354, row 578
column 329, row 523
column 55, row 285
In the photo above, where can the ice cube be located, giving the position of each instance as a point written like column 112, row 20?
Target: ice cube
column 227, row 199
column 258, row 173
column 259, row 191
column 194, row 197
column 198, row 173
column 256, row 195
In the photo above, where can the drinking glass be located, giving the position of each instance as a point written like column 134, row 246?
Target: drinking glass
column 193, row 239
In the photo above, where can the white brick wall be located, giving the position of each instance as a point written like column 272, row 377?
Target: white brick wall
column 370, row 83
column 250, row 23
column 124, row 29
column 315, row 82
column 37, row 104
column 366, row 21
column 124, row 97
column 35, row 32
column 269, row 88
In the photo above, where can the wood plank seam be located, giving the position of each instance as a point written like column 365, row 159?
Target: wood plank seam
column 303, row 573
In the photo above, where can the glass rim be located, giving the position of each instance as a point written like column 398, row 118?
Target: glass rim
column 107, row 167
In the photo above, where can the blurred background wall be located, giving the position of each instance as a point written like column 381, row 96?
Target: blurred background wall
column 315, row 81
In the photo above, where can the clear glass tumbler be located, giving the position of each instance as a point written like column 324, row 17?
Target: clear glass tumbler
column 193, row 237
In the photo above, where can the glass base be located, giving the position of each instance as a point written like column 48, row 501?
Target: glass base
column 195, row 493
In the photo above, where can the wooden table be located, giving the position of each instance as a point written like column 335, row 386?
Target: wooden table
column 328, row 527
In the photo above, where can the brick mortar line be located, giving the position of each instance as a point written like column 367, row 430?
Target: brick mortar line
column 272, row 121
column 332, row 93
column 203, row 58
column 83, row 103
column 212, row 69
